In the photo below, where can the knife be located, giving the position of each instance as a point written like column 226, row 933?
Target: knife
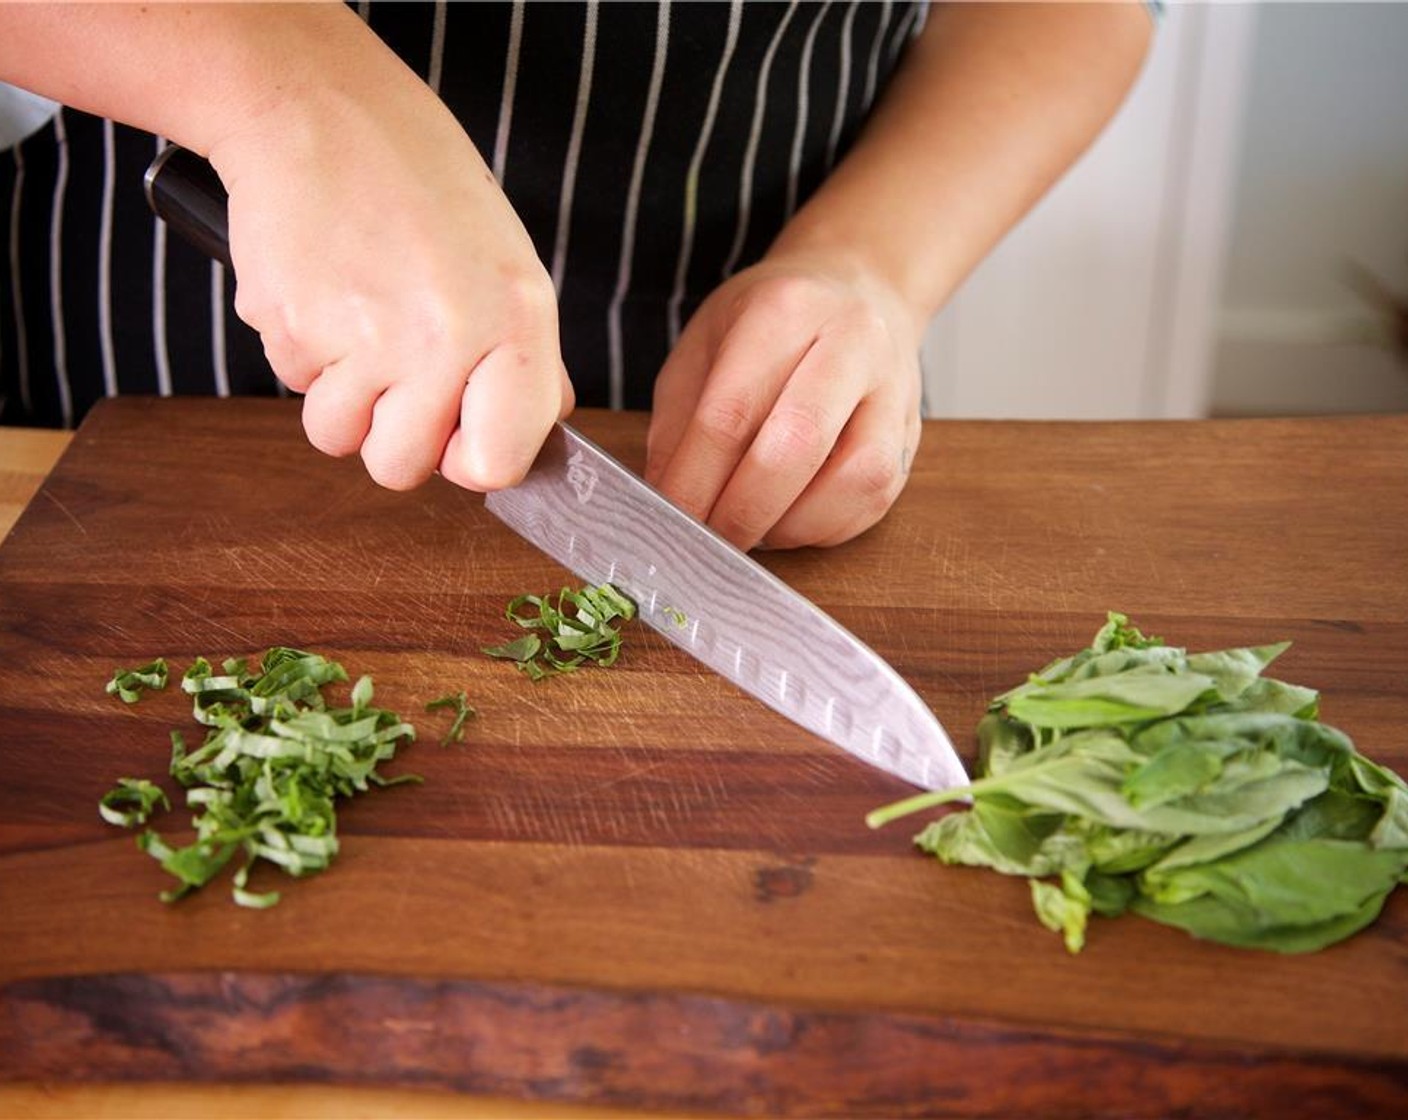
column 605, row 524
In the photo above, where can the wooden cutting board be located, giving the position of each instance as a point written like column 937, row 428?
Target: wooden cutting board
column 640, row 887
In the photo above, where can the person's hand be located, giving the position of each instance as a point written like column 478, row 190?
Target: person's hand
column 788, row 413
column 392, row 283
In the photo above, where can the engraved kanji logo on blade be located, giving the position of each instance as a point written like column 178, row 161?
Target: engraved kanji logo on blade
column 581, row 476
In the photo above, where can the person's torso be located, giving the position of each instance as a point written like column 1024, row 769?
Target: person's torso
column 650, row 149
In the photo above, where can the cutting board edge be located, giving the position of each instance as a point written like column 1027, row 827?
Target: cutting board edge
column 676, row 1051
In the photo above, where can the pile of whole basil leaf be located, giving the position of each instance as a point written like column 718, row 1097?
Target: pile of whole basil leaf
column 1189, row 788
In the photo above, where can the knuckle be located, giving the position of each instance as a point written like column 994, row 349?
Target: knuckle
column 743, row 522
column 875, row 476
column 781, row 537
column 869, row 326
column 784, row 298
column 726, row 420
column 528, row 297
column 256, row 310
column 796, row 433
column 287, row 365
column 429, row 328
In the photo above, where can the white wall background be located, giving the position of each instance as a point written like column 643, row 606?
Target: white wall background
column 1323, row 183
column 1193, row 262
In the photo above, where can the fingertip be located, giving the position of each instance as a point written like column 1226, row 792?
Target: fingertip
column 393, row 462
column 411, row 424
column 396, row 476
column 337, row 413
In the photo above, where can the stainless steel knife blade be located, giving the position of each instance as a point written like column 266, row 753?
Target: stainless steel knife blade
column 592, row 515
column 595, row 517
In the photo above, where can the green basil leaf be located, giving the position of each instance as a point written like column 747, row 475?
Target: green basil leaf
column 520, row 649
column 1132, row 696
column 1189, row 789
column 1064, row 909
column 1289, row 896
column 1233, row 671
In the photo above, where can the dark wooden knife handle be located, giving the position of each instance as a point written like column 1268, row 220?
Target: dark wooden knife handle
column 184, row 191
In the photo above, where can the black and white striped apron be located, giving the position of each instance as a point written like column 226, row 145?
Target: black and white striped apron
column 651, row 150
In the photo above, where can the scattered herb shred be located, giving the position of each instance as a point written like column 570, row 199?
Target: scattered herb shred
column 131, row 802
column 265, row 780
column 578, row 628
column 459, row 702
column 127, row 684
column 1188, row 788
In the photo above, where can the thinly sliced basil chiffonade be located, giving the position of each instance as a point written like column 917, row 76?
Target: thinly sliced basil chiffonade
column 264, row 782
column 577, row 628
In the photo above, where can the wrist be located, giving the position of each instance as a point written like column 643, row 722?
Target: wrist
column 360, row 107
column 296, row 84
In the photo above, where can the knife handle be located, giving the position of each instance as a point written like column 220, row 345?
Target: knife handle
column 184, row 191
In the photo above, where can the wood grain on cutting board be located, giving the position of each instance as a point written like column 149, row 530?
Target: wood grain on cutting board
column 640, row 886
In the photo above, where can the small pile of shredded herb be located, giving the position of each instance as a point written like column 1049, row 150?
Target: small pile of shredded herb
column 265, row 780
column 577, row 628
column 1188, row 788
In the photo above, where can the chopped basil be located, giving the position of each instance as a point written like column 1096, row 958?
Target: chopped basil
column 460, row 703
column 579, row 628
column 265, row 779
column 1134, row 776
column 127, row 684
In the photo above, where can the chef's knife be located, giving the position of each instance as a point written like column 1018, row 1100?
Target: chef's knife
column 593, row 516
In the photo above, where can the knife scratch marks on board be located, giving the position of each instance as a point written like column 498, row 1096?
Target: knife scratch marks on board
column 659, row 803
column 635, row 772
column 48, row 493
column 184, row 622
column 247, row 564
column 502, row 816
column 383, row 561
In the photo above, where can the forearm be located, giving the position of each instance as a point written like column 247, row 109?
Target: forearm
column 195, row 73
column 992, row 103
